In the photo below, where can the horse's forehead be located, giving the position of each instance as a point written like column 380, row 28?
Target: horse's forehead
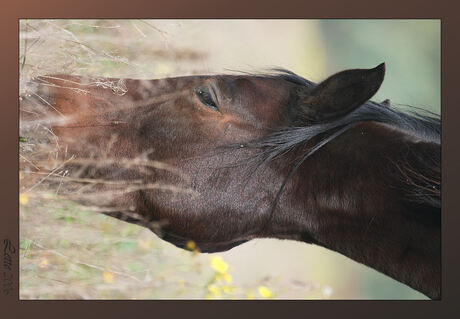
column 248, row 83
column 252, row 82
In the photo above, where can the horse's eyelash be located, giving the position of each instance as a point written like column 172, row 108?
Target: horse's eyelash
column 207, row 98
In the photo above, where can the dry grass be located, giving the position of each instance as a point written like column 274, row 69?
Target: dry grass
column 70, row 251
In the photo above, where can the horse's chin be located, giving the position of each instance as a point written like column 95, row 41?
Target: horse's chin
column 204, row 247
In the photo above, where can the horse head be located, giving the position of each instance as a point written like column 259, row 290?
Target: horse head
column 224, row 159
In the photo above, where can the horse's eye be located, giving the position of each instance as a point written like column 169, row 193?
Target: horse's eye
column 205, row 96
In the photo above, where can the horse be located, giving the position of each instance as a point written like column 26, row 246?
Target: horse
column 223, row 159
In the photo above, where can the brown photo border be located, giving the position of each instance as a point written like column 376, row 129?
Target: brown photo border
column 12, row 11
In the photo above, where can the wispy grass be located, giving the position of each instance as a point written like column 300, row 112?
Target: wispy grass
column 69, row 250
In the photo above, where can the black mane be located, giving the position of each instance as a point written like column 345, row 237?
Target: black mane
column 419, row 123
column 290, row 76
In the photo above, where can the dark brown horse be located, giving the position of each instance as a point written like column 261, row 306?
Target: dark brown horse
column 221, row 160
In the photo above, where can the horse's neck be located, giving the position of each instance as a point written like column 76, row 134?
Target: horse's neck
column 397, row 244
column 361, row 210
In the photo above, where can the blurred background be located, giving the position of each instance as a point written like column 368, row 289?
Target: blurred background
column 69, row 251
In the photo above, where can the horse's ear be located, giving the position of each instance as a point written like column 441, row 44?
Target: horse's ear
column 341, row 93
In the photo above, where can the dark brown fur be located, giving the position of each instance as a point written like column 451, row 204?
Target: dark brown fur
column 370, row 192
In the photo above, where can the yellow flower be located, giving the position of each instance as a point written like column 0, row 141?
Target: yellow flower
column 227, row 278
column 265, row 292
column 190, row 245
column 21, row 176
column 145, row 244
column 228, row 289
column 23, row 199
column 223, row 277
column 219, row 265
column 161, row 69
column 214, row 290
column 43, row 263
column 108, row 276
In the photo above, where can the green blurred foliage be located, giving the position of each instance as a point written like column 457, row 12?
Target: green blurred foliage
column 411, row 50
